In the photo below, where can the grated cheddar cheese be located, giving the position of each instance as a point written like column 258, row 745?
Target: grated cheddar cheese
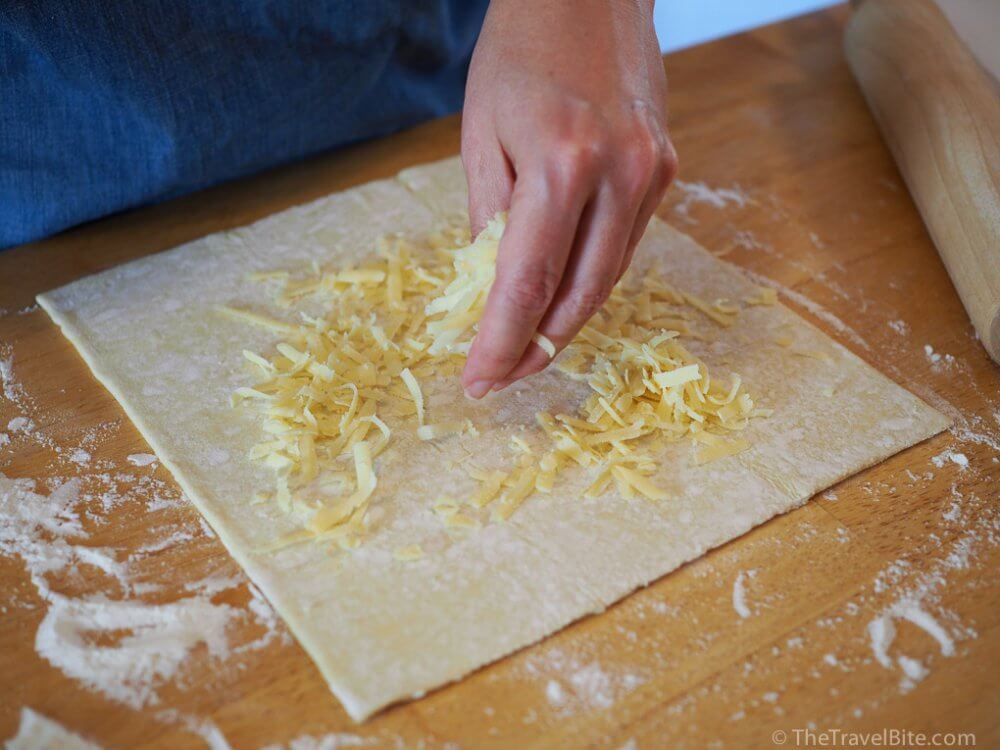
column 329, row 386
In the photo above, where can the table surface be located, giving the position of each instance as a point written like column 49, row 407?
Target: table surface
column 775, row 115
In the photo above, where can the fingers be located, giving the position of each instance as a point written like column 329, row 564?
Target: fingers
column 489, row 175
column 579, row 203
column 665, row 169
column 590, row 274
column 606, row 238
column 545, row 209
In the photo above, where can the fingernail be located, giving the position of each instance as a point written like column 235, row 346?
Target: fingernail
column 478, row 389
column 501, row 385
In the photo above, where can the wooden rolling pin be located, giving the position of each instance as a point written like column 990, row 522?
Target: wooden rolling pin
column 940, row 114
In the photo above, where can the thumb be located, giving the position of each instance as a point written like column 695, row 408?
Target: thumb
column 490, row 178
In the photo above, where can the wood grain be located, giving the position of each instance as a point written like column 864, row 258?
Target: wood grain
column 940, row 114
column 776, row 113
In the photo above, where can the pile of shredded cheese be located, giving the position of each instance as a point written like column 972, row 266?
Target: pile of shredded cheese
column 331, row 388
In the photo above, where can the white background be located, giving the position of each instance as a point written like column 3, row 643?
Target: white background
column 683, row 23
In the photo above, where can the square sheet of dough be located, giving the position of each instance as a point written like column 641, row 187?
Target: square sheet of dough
column 381, row 630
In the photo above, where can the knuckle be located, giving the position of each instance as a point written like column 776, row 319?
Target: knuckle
column 585, row 301
column 529, row 295
column 639, row 165
column 668, row 162
column 654, row 143
column 576, row 151
column 568, row 164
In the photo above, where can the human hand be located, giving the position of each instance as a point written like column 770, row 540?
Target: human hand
column 564, row 127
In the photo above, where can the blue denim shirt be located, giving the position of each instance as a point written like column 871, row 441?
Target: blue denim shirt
column 106, row 106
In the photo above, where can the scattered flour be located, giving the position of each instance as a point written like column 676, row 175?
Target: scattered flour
column 204, row 728
column 959, row 459
column 555, row 693
column 593, row 685
column 914, row 670
column 20, row 424
column 899, row 326
column 141, row 459
column 740, row 593
column 954, row 512
column 881, row 632
column 125, row 648
column 37, row 529
column 939, row 361
column 748, row 241
column 131, row 667
column 80, row 456
column 324, row 742
column 572, row 683
column 168, row 541
column 12, row 390
column 699, row 192
column 37, row 732
column 909, row 606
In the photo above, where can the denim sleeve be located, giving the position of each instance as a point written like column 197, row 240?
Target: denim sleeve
column 106, row 106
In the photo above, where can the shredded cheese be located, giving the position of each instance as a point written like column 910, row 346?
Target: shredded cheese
column 545, row 343
column 763, row 295
column 414, row 388
column 336, row 386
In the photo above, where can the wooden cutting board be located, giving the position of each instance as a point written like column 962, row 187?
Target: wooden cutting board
column 801, row 190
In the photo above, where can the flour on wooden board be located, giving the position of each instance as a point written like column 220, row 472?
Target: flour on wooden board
column 38, row 732
column 959, row 459
column 899, row 326
column 904, row 599
column 142, row 646
column 573, row 683
column 699, row 192
column 333, row 741
column 916, row 599
column 740, row 593
column 204, row 728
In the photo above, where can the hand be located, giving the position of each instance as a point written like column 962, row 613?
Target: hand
column 564, row 127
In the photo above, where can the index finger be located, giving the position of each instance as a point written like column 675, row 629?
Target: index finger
column 532, row 256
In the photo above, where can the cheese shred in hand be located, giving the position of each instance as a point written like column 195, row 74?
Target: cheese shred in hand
column 336, row 382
